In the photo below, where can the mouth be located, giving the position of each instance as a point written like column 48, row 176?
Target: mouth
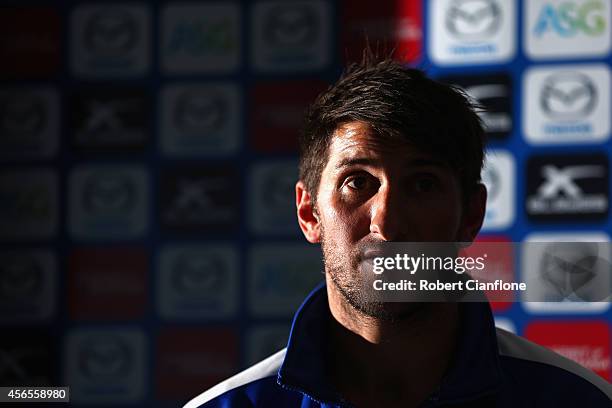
column 368, row 256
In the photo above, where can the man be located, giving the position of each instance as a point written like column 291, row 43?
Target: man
column 388, row 155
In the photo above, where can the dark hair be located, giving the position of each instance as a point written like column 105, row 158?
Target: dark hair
column 397, row 102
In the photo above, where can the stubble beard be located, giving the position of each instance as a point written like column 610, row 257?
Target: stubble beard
column 355, row 284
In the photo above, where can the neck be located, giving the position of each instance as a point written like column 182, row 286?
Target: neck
column 402, row 361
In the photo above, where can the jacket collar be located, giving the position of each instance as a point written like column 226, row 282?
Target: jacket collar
column 474, row 372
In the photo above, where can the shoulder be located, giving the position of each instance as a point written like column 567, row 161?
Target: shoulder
column 538, row 371
column 236, row 387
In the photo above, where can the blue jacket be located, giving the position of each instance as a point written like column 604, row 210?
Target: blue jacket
column 491, row 368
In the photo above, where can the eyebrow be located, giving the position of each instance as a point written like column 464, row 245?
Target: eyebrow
column 365, row 161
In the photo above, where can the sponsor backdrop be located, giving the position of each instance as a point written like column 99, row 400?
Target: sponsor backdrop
column 149, row 243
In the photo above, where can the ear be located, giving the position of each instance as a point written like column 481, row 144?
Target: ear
column 473, row 214
column 306, row 214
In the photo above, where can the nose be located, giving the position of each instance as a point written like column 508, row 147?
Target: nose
column 388, row 214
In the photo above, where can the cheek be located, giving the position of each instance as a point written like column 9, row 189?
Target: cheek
column 343, row 223
column 436, row 221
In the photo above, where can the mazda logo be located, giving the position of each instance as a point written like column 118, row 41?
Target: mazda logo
column 111, row 32
column 195, row 274
column 108, row 194
column 278, row 191
column 104, row 357
column 491, row 178
column 473, row 19
column 22, row 115
column 199, row 112
column 287, row 26
column 568, row 95
column 20, row 278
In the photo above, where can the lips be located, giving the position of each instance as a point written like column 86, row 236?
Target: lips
column 373, row 251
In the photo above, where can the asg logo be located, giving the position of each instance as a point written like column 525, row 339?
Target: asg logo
column 569, row 19
column 499, row 177
column 198, row 282
column 107, row 365
column 280, row 276
column 29, row 204
column 473, row 19
column 196, row 199
column 273, row 187
column 557, row 28
column 201, row 38
column 567, row 104
column 108, row 202
column 291, row 36
column 200, row 119
column 29, row 122
column 471, row 31
column 110, row 40
column 568, row 95
column 567, row 188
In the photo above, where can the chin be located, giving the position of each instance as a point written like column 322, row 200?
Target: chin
column 390, row 311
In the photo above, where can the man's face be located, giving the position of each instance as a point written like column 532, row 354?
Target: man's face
column 372, row 192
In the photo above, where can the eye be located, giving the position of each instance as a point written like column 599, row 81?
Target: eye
column 425, row 183
column 358, row 182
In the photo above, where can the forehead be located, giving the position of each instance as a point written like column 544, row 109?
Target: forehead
column 357, row 140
